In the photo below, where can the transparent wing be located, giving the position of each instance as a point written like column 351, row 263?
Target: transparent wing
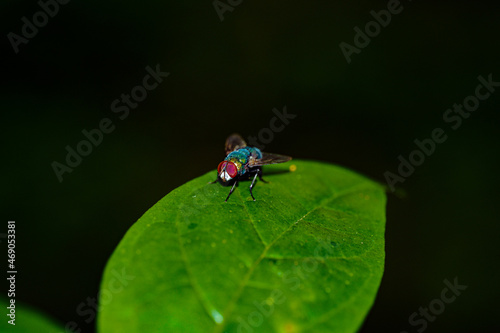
column 268, row 158
column 234, row 142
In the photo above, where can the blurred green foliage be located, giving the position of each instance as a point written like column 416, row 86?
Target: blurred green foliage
column 26, row 320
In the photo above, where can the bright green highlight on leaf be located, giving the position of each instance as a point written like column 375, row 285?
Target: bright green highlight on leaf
column 307, row 256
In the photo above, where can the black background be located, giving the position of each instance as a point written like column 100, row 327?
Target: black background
column 227, row 77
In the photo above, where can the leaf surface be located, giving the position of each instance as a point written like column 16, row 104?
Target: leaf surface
column 307, row 256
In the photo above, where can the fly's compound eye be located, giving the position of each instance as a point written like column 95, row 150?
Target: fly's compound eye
column 231, row 169
column 227, row 170
column 221, row 165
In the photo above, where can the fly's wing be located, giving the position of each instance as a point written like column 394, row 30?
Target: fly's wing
column 234, row 142
column 268, row 158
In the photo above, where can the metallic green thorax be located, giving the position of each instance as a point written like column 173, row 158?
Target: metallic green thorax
column 242, row 156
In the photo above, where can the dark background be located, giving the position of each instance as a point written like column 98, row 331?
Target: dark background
column 227, row 77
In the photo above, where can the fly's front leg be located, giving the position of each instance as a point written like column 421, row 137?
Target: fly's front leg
column 232, row 189
column 251, row 186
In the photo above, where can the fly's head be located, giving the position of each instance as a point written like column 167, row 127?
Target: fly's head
column 227, row 170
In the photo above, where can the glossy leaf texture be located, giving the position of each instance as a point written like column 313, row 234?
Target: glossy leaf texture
column 26, row 320
column 307, row 256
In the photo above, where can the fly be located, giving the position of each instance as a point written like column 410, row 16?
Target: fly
column 244, row 162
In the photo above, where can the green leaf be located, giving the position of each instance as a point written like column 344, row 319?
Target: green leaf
column 307, row 256
column 26, row 320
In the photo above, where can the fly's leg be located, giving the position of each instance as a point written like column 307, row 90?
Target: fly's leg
column 260, row 175
column 251, row 186
column 232, row 189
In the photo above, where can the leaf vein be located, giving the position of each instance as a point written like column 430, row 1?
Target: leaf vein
column 232, row 303
column 196, row 288
column 251, row 219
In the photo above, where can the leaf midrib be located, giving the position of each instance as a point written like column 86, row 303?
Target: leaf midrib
column 232, row 303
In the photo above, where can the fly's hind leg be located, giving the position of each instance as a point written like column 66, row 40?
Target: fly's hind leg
column 259, row 172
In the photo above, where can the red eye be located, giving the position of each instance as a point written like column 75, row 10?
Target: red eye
column 221, row 165
column 231, row 169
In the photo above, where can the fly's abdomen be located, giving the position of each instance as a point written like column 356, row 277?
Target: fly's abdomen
column 254, row 152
